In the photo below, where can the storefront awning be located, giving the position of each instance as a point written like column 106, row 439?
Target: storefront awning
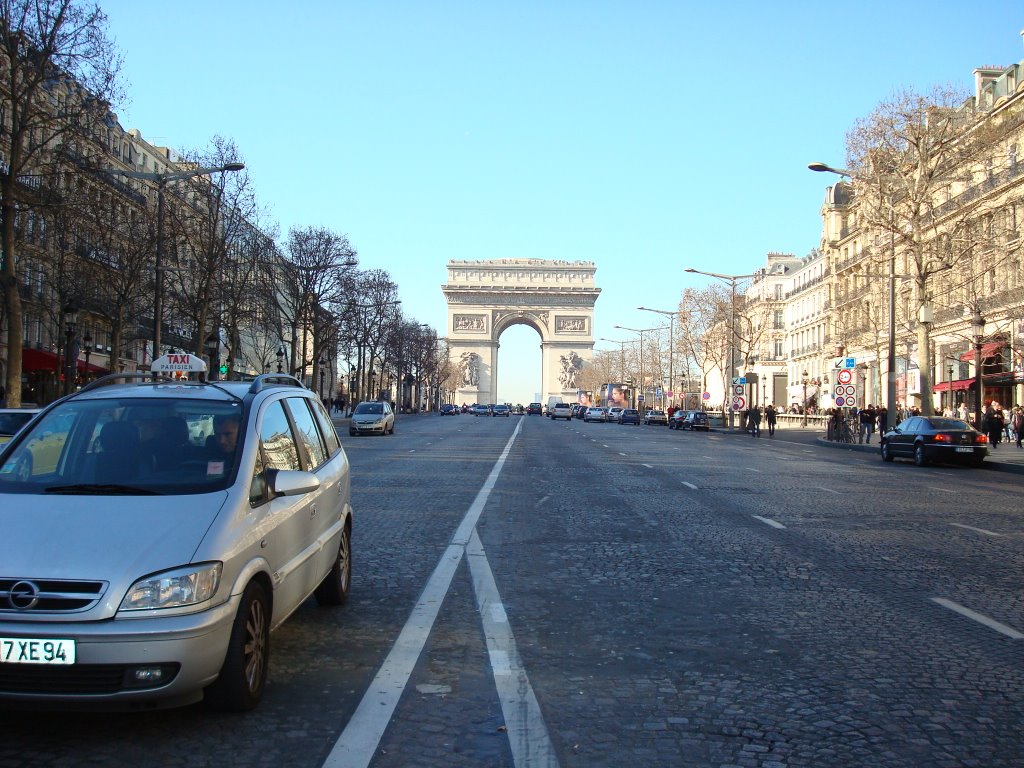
column 960, row 385
column 42, row 360
column 987, row 350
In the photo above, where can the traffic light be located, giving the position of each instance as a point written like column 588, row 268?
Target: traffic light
column 223, row 369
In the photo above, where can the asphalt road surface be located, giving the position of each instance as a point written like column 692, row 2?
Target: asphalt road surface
column 538, row 593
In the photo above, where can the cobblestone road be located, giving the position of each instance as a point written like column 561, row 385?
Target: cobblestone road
column 676, row 599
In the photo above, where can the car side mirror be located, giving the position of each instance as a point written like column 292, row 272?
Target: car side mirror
column 291, row 482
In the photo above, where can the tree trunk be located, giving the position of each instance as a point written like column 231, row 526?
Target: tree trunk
column 9, row 282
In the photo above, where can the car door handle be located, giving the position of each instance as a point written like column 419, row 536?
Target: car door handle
column 312, row 511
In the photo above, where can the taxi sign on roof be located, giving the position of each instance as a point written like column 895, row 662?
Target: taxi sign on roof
column 178, row 362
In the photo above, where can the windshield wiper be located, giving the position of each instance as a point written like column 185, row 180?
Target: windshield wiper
column 99, row 489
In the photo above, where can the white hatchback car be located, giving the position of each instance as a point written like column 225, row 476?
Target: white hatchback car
column 173, row 525
column 372, row 417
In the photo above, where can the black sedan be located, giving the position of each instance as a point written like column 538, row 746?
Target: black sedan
column 935, row 438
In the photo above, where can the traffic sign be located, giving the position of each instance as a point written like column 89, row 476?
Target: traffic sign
column 739, row 380
column 845, row 376
column 737, row 390
column 639, row 398
column 706, row 396
column 739, row 403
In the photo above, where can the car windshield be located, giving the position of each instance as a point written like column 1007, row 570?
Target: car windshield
column 126, row 446
column 374, row 408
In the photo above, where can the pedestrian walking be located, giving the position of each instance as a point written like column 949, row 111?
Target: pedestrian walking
column 882, row 417
column 866, row 417
column 754, row 421
column 1017, row 422
column 992, row 424
column 770, row 417
column 962, row 411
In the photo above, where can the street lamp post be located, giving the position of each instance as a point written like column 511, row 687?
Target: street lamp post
column 731, row 280
column 70, row 313
column 87, row 347
column 641, row 331
column 890, row 376
column 280, row 357
column 161, row 180
column 320, row 367
column 671, row 342
column 978, row 327
column 212, row 348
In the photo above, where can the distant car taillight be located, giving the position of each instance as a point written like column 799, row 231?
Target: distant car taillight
column 981, row 438
column 943, row 438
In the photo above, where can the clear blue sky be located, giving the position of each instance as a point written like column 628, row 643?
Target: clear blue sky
column 643, row 136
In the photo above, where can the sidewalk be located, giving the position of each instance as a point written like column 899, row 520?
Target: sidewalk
column 1006, row 458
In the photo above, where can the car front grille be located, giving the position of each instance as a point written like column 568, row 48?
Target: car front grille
column 34, row 596
column 79, row 679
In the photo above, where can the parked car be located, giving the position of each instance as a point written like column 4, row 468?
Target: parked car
column 534, row 409
column 13, row 419
column 148, row 565
column 561, row 411
column 655, row 417
column 630, row 416
column 501, row 410
column 595, row 414
column 692, row 420
column 613, row 413
column 449, row 410
column 372, row 417
column 935, row 438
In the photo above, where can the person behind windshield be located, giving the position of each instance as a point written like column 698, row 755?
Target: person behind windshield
column 222, row 443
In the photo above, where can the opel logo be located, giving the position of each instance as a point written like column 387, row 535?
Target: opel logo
column 23, row 596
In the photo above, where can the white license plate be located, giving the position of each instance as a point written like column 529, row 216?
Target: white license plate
column 964, row 449
column 36, row 650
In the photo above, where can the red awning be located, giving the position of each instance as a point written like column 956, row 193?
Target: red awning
column 42, row 360
column 987, row 350
column 960, row 385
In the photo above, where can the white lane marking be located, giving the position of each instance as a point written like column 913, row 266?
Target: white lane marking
column 542, row 501
column 649, row 466
column 603, row 445
column 751, row 469
column 768, row 521
column 620, row 452
column 691, row 486
column 527, row 733
column 823, row 488
column 980, row 618
column 944, row 490
column 357, row 744
column 979, row 530
column 413, row 451
column 710, row 458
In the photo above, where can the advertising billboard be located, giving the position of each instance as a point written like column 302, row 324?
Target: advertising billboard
column 614, row 395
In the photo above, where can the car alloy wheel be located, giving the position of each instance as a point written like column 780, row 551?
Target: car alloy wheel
column 239, row 686
column 334, row 589
column 886, row 453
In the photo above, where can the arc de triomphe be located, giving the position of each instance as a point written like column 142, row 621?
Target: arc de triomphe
column 555, row 298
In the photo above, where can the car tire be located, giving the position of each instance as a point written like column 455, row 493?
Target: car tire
column 886, row 454
column 979, row 461
column 919, row 458
column 334, row 589
column 239, row 686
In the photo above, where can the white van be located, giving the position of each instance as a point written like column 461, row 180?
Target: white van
column 552, row 401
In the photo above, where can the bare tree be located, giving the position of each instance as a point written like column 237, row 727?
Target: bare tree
column 910, row 158
column 58, row 76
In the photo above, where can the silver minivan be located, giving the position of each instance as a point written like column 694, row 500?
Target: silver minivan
column 157, row 530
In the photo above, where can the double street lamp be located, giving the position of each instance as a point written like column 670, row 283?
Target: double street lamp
column 70, row 313
column 671, row 342
column 641, row 331
column 161, row 180
column 731, row 280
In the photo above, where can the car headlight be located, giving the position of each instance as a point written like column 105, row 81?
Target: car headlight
column 174, row 589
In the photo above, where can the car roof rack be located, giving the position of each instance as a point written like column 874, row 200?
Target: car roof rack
column 150, row 376
column 264, row 380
